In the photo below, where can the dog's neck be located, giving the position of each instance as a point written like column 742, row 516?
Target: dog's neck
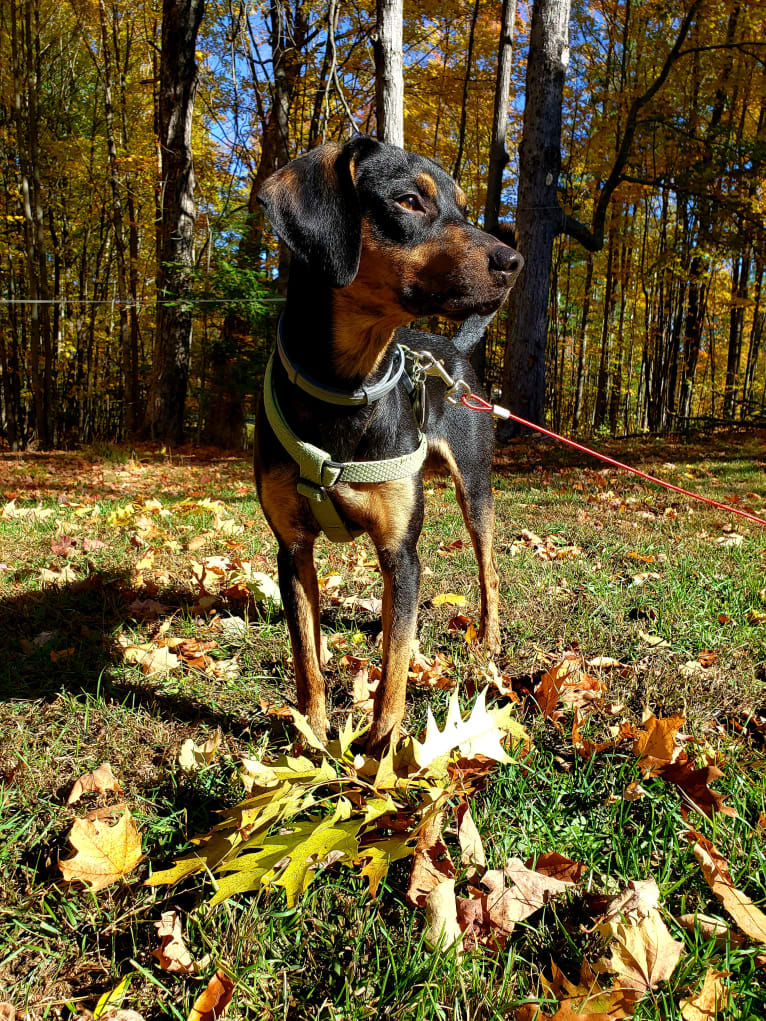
column 339, row 336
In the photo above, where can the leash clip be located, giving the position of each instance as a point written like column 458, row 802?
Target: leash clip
column 457, row 392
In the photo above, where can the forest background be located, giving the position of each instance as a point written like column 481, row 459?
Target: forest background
column 634, row 150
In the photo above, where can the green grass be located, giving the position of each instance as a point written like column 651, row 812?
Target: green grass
column 69, row 702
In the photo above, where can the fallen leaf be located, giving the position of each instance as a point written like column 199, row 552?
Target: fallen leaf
column 694, row 783
column 656, row 745
column 7, row 1012
column 712, row 998
column 750, row 919
column 450, row 598
column 100, row 780
column 442, row 929
column 172, row 953
column 431, row 863
column 557, row 866
column 213, row 1001
column 638, row 900
column 642, row 954
column 709, row 928
column 472, row 855
column 194, row 756
column 104, row 853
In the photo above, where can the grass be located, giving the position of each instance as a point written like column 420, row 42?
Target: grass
column 650, row 581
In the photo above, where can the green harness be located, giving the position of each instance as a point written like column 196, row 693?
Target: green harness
column 318, row 472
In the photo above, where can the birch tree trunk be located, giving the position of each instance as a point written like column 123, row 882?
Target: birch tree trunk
column 175, row 256
column 389, row 72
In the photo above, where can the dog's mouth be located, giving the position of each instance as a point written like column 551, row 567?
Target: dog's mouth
column 455, row 307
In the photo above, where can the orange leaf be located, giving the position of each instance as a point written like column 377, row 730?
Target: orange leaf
column 214, row 1000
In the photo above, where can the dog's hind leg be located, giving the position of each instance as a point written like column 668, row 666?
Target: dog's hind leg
column 474, row 495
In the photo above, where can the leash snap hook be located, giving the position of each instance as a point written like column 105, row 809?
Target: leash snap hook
column 457, row 392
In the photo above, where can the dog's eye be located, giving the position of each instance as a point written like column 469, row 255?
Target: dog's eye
column 411, row 202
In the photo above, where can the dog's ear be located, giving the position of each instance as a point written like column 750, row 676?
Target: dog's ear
column 313, row 206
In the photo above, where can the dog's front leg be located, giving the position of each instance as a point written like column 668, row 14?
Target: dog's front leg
column 300, row 595
column 401, row 584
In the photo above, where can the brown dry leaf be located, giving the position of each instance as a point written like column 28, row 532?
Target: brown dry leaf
column 101, row 780
column 694, row 783
column 66, row 576
column 643, row 954
column 431, row 863
column 172, row 953
column 557, row 866
column 104, row 853
column 471, row 848
column 750, row 919
column 490, row 917
column 656, row 746
column 587, row 1000
column 442, row 929
column 638, row 900
column 7, row 1012
column 712, row 998
column 213, row 1001
column 710, row 928
column 568, row 683
column 194, row 756
column 431, row 673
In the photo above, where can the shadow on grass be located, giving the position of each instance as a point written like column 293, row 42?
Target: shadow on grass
column 62, row 639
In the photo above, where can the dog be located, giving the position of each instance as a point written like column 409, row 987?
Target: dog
column 378, row 237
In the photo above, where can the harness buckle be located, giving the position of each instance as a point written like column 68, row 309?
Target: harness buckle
column 312, row 491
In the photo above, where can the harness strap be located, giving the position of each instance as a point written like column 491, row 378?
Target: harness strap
column 346, row 398
column 317, row 472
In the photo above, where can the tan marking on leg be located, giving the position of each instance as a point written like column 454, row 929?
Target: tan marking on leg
column 293, row 524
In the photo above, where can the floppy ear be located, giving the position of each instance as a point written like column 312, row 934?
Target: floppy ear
column 313, row 206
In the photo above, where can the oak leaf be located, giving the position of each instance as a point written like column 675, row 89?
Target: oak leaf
column 104, row 853
column 480, row 733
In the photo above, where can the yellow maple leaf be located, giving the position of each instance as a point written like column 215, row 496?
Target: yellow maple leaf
column 105, row 853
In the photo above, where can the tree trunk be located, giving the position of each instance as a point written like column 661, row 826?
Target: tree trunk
column 175, row 258
column 538, row 218
column 389, row 72
column 225, row 418
column 466, row 82
column 498, row 156
column 583, row 349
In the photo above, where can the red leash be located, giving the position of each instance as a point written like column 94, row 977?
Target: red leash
column 476, row 403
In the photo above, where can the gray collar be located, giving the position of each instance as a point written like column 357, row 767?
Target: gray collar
column 348, row 398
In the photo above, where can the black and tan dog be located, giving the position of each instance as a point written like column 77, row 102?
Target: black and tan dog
column 378, row 237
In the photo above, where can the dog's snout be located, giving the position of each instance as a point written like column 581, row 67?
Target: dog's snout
column 505, row 259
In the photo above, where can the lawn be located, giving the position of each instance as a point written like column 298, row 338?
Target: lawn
column 657, row 605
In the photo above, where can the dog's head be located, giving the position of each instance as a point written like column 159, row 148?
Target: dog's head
column 391, row 227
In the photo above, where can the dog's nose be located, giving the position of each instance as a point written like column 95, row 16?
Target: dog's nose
column 505, row 259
